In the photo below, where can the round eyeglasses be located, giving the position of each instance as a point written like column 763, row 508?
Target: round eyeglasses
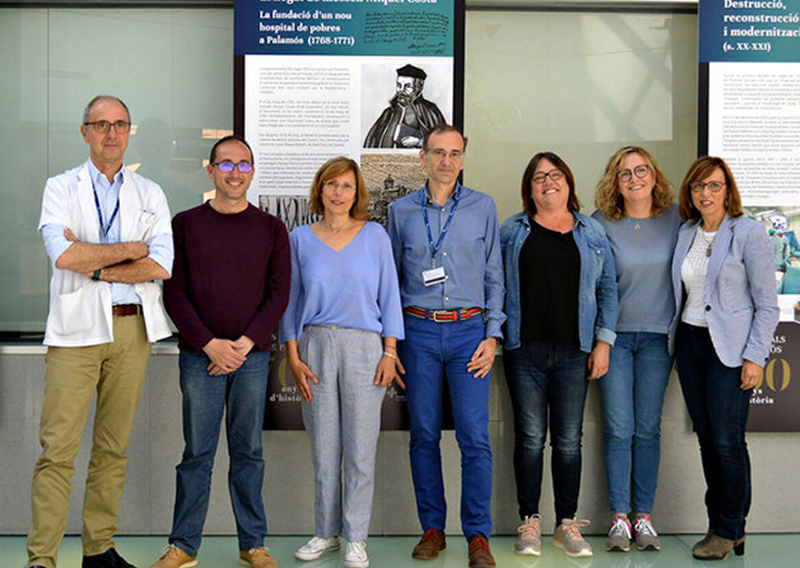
column 641, row 171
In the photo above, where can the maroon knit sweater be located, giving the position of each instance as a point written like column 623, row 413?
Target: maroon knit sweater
column 230, row 278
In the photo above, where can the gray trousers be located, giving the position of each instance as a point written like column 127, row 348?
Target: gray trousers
column 343, row 421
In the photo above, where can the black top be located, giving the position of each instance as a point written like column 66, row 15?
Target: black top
column 549, row 278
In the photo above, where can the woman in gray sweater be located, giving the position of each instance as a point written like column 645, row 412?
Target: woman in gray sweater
column 634, row 205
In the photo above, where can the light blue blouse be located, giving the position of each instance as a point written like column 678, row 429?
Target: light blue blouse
column 355, row 287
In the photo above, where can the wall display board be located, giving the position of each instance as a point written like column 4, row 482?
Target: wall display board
column 750, row 115
column 365, row 79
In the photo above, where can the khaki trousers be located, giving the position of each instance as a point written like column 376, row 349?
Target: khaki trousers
column 115, row 372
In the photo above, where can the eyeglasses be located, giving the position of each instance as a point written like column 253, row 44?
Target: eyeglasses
column 103, row 126
column 227, row 166
column 714, row 186
column 334, row 185
column 554, row 175
column 441, row 154
column 641, row 171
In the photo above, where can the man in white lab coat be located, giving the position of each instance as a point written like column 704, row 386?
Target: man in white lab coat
column 107, row 232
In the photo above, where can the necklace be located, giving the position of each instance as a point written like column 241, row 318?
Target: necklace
column 636, row 222
column 333, row 229
column 709, row 243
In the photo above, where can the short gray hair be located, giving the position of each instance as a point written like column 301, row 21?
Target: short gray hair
column 87, row 111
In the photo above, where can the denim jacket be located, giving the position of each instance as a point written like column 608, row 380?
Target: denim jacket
column 598, row 302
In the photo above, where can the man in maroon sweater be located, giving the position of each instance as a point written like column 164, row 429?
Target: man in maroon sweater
column 229, row 288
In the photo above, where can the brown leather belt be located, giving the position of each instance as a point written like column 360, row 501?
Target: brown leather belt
column 443, row 315
column 121, row 310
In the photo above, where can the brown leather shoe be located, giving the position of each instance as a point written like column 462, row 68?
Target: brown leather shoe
column 257, row 558
column 429, row 545
column 174, row 557
column 479, row 554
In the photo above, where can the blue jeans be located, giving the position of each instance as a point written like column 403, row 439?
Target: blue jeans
column 434, row 354
column 542, row 376
column 633, row 396
column 205, row 399
column 719, row 409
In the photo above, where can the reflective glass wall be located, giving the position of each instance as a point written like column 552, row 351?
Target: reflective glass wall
column 580, row 84
column 172, row 67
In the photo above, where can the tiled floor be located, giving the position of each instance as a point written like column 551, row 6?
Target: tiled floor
column 763, row 551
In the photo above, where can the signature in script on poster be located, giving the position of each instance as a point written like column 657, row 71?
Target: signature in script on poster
column 437, row 48
column 417, row 27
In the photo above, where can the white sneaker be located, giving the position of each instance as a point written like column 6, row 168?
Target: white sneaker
column 355, row 556
column 316, row 547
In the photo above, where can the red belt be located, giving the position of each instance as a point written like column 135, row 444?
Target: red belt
column 121, row 310
column 443, row 315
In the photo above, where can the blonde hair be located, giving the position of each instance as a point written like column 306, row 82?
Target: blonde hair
column 607, row 197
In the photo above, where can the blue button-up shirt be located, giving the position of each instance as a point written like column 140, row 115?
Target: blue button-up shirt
column 469, row 253
column 598, row 301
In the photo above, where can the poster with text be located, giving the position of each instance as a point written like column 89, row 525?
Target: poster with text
column 750, row 115
column 366, row 79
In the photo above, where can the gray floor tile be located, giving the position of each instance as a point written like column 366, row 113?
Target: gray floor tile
column 763, row 551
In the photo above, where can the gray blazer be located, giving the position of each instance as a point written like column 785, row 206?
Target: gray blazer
column 740, row 294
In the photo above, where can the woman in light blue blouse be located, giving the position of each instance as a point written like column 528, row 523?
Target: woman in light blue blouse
column 341, row 329
column 634, row 205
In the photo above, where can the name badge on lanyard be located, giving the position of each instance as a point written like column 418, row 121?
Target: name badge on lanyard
column 433, row 276
column 104, row 229
column 436, row 274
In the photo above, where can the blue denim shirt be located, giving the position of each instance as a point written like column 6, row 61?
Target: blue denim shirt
column 598, row 302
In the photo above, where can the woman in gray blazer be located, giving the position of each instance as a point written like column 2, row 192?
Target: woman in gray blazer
column 726, row 312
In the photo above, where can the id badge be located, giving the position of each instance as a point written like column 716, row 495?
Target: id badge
column 433, row 276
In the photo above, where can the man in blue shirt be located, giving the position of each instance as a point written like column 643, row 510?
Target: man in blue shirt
column 107, row 232
column 446, row 244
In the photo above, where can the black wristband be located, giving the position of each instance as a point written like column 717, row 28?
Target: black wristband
column 96, row 275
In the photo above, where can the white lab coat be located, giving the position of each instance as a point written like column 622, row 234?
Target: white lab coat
column 80, row 308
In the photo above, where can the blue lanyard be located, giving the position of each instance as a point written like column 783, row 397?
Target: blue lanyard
column 435, row 248
column 107, row 228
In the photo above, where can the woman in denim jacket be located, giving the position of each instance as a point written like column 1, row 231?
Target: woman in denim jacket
column 561, row 304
